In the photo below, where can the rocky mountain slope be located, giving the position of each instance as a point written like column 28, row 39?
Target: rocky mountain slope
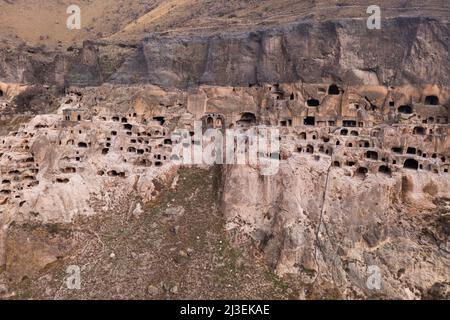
column 90, row 150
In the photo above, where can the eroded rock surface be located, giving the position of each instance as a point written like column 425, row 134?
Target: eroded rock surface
column 90, row 132
column 362, row 179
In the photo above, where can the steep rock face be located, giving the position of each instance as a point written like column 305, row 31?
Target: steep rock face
column 405, row 50
column 342, row 51
column 329, row 227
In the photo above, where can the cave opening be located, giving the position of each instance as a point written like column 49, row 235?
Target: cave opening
column 384, row 169
column 247, row 118
column 333, row 90
column 160, row 120
column 309, row 121
column 405, row 109
column 209, row 122
column 432, row 100
column 349, row 123
column 419, row 130
column 411, row 164
column 362, row 171
column 219, row 123
column 312, row 102
column 1, row 93
column 372, row 155
column 113, row 173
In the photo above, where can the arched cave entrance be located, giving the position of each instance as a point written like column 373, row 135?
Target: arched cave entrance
column 405, row 109
column 247, row 119
column 312, row 102
column 419, row 130
column 411, row 164
column 384, row 169
column 309, row 121
column 432, row 100
column 333, row 90
column 362, row 171
column 210, row 122
column 372, row 155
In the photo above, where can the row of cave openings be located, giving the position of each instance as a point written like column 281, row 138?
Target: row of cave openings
column 160, row 119
column 431, row 100
column 363, row 171
column 409, row 163
column 217, row 121
column 408, row 109
column 418, row 152
column 279, row 94
column 248, row 119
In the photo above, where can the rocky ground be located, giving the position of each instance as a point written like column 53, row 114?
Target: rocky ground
column 173, row 248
